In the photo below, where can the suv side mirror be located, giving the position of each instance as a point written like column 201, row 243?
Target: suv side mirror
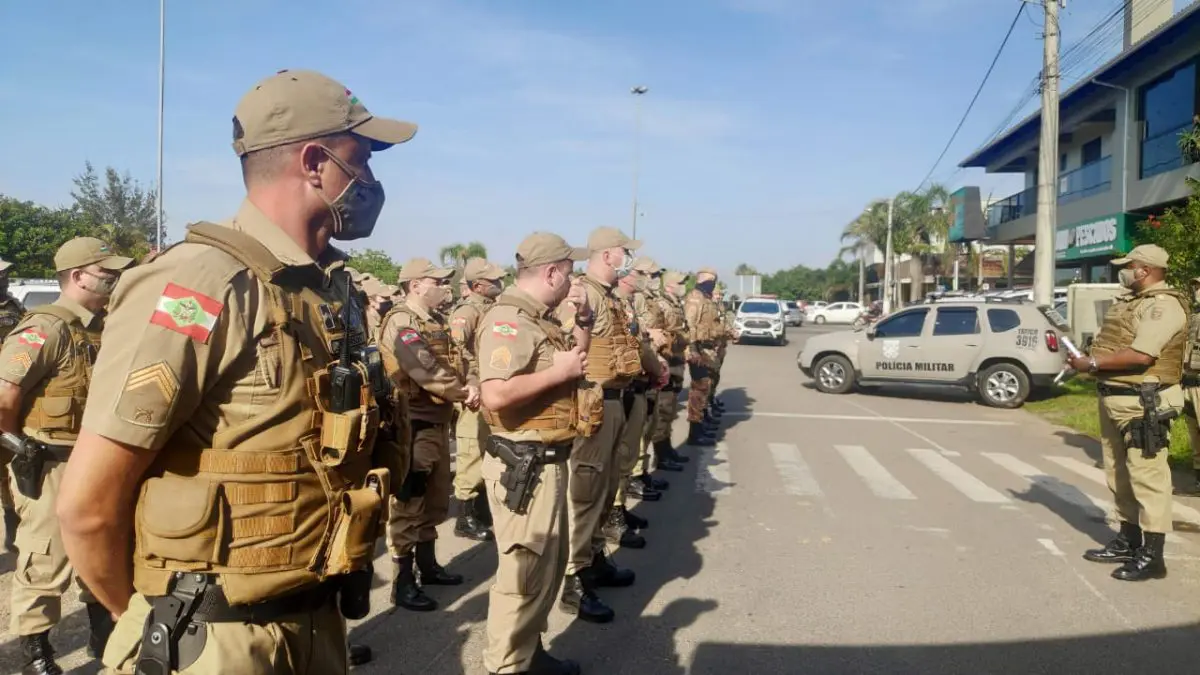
column 871, row 332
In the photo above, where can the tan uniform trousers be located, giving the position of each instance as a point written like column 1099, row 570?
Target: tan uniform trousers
column 6, row 490
column 1191, row 397
column 593, row 467
column 312, row 643
column 468, row 454
column 1141, row 486
column 698, row 391
column 629, row 448
column 648, row 427
column 42, row 574
column 666, row 410
column 415, row 519
column 533, row 559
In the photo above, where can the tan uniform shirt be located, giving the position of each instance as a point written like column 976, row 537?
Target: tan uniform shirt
column 509, row 343
column 1161, row 319
column 421, row 365
column 464, row 328
column 39, row 347
column 208, row 364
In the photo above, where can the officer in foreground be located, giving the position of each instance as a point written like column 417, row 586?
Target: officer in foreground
column 1137, row 358
column 11, row 312
column 425, row 367
column 1191, row 393
column 484, row 283
column 232, row 426
column 530, row 368
column 45, row 371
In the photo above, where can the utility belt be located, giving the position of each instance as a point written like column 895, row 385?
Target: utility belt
column 706, row 344
column 176, row 631
column 613, row 394
column 523, row 463
column 638, row 387
column 1122, row 389
column 28, row 463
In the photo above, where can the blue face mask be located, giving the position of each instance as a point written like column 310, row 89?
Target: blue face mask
column 707, row 287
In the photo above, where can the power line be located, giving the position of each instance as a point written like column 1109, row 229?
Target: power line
column 971, row 105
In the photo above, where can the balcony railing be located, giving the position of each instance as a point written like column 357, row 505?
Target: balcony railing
column 1087, row 180
column 1161, row 153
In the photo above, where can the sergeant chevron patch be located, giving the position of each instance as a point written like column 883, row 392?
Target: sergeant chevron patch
column 149, row 395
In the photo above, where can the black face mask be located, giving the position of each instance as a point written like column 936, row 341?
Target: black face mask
column 384, row 307
column 707, row 287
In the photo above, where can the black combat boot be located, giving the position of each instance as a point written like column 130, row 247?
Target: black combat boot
column 617, row 532
column 11, row 521
column 433, row 574
column 1120, row 549
column 1147, row 563
column 469, row 525
column 39, row 655
column 405, row 591
column 663, row 452
column 579, row 598
column 673, row 455
column 656, row 484
column 101, row 623
column 1190, row 490
column 359, row 654
column 634, row 520
column 636, row 488
column 696, row 436
column 606, row 574
column 717, row 403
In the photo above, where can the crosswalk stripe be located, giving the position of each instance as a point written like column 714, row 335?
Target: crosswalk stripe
column 1182, row 513
column 877, row 478
column 797, row 478
column 962, row 481
column 1093, row 506
column 713, row 475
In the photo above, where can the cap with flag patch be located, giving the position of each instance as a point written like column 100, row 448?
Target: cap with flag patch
column 84, row 251
column 299, row 105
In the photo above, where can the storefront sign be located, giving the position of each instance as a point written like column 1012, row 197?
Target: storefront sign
column 968, row 222
column 1096, row 238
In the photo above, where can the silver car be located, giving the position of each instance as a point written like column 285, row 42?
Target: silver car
column 794, row 316
column 1000, row 350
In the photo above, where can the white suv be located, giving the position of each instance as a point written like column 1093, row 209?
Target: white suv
column 34, row 292
column 762, row 318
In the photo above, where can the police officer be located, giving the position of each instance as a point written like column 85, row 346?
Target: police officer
column 231, row 428
column 704, row 332
column 1137, row 358
column 425, row 366
column 1191, row 392
column 725, row 319
column 530, row 368
column 45, row 370
column 11, row 312
column 484, row 283
column 667, row 407
column 621, row 526
column 614, row 359
column 379, row 303
column 648, row 308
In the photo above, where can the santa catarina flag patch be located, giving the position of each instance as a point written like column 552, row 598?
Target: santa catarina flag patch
column 186, row 311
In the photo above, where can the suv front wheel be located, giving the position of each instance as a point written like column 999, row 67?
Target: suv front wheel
column 1003, row 385
column 833, row 374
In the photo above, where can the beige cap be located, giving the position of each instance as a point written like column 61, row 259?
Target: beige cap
column 707, row 270
column 421, row 268
column 479, row 268
column 673, row 277
column 84, row 251
column 4, row 265
column 603, row 238
column 646, row 264
column 542, row 248
column 298, row 105
column 1150, row 254
column 374, row 287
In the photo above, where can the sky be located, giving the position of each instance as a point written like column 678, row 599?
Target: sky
column 767, row 127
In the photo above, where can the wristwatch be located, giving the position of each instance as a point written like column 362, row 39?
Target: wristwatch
column 1092, row 367
column 586, row 323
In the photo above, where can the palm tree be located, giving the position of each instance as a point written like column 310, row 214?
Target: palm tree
column 458, row 254
column 745, row 270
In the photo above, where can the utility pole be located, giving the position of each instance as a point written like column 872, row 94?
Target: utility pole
column 162, row 57
column 1047, row 199
column 862, row 273
column 888, row 273
column 637, row 92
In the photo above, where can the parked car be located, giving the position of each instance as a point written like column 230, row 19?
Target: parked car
column 761, row 318
column 34, row 292
column 795, row 317
column 838, row 312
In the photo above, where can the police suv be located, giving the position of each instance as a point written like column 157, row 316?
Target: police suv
column 1000, row 349
column 761, row 317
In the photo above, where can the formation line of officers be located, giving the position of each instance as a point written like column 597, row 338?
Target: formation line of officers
column 216, row 477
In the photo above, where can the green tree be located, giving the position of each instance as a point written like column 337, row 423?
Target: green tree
column 120, row 211
column 1178, row 231
column 376, row 263
column 458, row 254
column 30, row 235
column 745, row 270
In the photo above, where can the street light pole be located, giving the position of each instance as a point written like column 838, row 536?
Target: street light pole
column 162, row 57
column 888, row 272
column 637, row 92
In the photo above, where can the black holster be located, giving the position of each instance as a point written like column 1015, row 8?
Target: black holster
column 1152, row 431
column 522, row 472
column 170, row 617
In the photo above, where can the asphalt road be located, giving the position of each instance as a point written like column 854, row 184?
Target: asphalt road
column 899, row 531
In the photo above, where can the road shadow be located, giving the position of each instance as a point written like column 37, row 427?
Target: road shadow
column 924, row 393
column 642, row 637
column 1070, row 504
column 1164, row 650
column 1089, row 445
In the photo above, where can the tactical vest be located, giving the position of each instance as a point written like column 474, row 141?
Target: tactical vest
column 1120, row 329
column 615, row 358
column 1191, row 354
column 287, row 499
column 706, row 328
column 55, row 405
column 552, row 413
column 437, row 338
column 675, row 323
column 11, row 313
